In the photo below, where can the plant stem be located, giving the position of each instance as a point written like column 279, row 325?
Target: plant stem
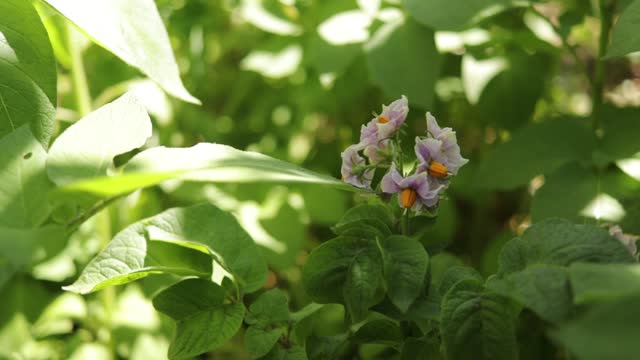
column 83, row 106
column 78, row 74
column 606, row 13
column 75, row 223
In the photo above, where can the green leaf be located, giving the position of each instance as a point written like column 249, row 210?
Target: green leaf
column 380, row 331
column 607, row 331
column 173, row 242
column 452, row 14
column 560, row 242
column 27, row 72
column 420, row 349
column 259, row 341
column 134, row 32
column 203, row 321
column 23, row 181
column 509, row 99
column 542, row 288
column 477, row 323
column 620, row 125
column 347, row 271
column 86, row 149
column 455, row 274
column 624, row 37
column 366, row 215
column 533, row 150
column 416, row 61
column 593, row 193
column 405, row 267
column 295, row 352
column 270, row 307
column 604, row 282
column 204, row 162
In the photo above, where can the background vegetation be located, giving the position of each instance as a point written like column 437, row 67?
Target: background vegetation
column 543, row 96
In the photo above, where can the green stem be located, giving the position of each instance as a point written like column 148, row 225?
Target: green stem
column 607, row 8
column 405, row 222
column 78, row 73
column 83, row 106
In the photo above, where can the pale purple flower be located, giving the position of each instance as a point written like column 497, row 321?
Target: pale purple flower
column 629, row 241
column 386, row 124
column 378, row 152
column 354, row 169
column 440, row 153
column 414, row 191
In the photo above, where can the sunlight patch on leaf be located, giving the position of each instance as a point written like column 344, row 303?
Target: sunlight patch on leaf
column 604, row 207
column 349, row 27
column 476, row 74
column 274, row 65
column 255, row 14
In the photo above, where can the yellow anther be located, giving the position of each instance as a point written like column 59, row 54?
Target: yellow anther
column 438, row 170
column 408, row 198
column 383, row 120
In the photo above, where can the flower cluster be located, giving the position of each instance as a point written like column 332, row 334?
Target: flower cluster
column 437, row 159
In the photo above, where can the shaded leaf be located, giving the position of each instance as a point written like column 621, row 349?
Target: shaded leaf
column 604, row 282
column 477, row 323
column 203, row 320
column 405, row 266
column 380, row 331
column 533, row 150
column 452, row 14
column 347, row 271
column 416, row 64
column 27, row 72
column 624, row 37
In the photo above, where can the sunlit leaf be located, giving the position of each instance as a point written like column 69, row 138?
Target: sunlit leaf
column 452, row 14
column 204, row 162
column 174, row 242
column 133, row 31
column 87, row 148
column 23, row 180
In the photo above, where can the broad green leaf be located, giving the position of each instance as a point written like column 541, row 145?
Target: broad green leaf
column 27, row 72
column 204, row 162
column 603, row 282
column 347, row 271
column 560, row 242
column 259, row 341
column 380, row 331
column 20, row 248
column 420, row 349
column 86, row 149
column 133, row 31
column 368, row 221
column 607, row 331
column 542, row 288
column 23, row 181
column 533, row 150
column 455, row 274
column 416, row 62
column 509, row 99
column 270, row 307
column 203, row 320
column 620, row 126
column 173, row 242
column 405, row 266
column 594, row 194
column 477, row 323
column 624, row 38
column 295, row 352
column 452, row 14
